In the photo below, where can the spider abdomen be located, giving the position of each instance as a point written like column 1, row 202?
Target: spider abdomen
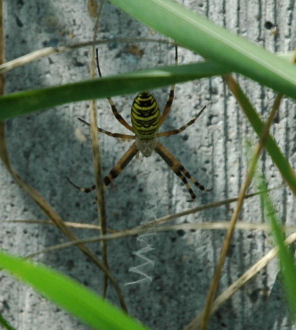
column 145, row 116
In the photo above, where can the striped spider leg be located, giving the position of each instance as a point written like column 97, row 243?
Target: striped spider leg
column 146, row 120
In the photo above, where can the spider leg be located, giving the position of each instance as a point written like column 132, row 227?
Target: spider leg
column 121, row 164
column 181, row 129
column 169, row 103
column 178, row 169
column 191, row 178
column 116, row 114
column 116, row 135
column 115, row 171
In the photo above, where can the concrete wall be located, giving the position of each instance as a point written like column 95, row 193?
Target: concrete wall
column 44, row 149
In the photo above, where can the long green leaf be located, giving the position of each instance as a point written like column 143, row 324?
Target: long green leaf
column 5, row 324
column 270, row 145
column 25, row 102
column 288, row 267
column 213, row 42
column 69, row 294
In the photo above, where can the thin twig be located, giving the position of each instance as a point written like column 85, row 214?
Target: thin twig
column 47, row 51
column 250, row 273
column 170, row 217
column 151, row 223
column 40, row 201
column 208, row 225
column 52, row 214
column 235, row 88
column 101, row 205
column 222, row 225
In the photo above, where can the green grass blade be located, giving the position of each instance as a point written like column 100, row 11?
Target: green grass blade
column 213, row 42
column 270, row 145
column 69, row 294
column 288, row 268
column 5, row 324
column 25, row 102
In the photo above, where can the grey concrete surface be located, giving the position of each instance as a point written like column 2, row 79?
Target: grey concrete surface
column 44, row 149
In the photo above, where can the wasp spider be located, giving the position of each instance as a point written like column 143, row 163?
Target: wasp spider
column 146, row 120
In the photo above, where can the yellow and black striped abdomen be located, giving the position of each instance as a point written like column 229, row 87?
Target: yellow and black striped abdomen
column 145, row 116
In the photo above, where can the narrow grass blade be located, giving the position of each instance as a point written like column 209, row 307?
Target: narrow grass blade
column 287, row 264
column 270, row 145
column 26, row 102
column 5, row 324
column 69, row 294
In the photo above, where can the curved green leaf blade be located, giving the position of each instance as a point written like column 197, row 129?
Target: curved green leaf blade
column 5, row 324
column 213, row 42
column 287, row 263
column 25, row 102
column 69, row 294
column 270, row 144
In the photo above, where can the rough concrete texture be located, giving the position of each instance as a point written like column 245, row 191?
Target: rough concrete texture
column 44, row 149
